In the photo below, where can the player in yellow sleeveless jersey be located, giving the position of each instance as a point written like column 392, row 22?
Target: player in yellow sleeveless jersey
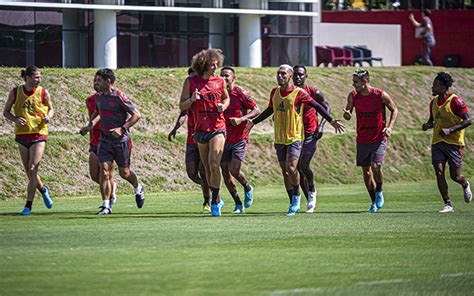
column 286, row 105
column 32, row 111
column 449, row 117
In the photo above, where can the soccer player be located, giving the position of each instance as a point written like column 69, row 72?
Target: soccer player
column 286, row 103
column 32, row 111
column 194, row 167
column 237, row 139
column 208, row 96
column 372, row 131
column 449, row 117
column 117, row 115
column 312, row 133
column 94, row 166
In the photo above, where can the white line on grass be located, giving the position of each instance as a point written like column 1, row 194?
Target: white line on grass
column 383, row 282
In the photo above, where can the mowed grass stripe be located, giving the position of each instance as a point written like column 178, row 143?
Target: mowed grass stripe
column 169, row 248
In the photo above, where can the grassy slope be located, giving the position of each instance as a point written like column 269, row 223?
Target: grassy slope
column 160, row 163
column 167, row 248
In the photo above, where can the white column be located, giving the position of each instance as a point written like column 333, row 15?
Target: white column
column 216, row 30
column 105, row 39
column 250, row 42
column 71, row 37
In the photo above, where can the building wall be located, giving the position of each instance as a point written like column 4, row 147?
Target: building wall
column 383, row 40
column 454, row 31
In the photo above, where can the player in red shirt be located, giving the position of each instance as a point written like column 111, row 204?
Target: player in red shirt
column 372, row 131
column 237, row 139
column 94, row 165
column 194, row 167
column 312, row 133
column 207, row 94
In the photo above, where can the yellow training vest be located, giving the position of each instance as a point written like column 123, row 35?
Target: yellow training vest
column 445, row 118
column 288, row 123
column 32, row 109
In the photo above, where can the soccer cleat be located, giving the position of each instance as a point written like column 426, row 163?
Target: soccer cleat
column 26, row 211
column 140, row 198
column 46, row 199
column 379, row 201
column 248, row 197
column 294, row 206
column 238, row 209
column 468, row 193
column 447, row 209
column 373, row 208
column 206, row 209
column 311, row 202
column 104, row 211
column 215, row 210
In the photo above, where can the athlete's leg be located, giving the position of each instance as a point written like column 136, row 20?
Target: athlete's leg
column 206, row 192
column 105, row 179
column 439, row 167
column 286, row 180
column 216, row 147
column 369, row 184
column 127, row 174
column 25, row 159
column 229, row 182
column 94, row 167
column 192, row 169
column 36, row 152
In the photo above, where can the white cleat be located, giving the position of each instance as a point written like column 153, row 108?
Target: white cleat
column 311, row 202
column 468, row 193
column 447, row 209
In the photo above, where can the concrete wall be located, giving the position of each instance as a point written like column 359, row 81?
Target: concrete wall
column 384, row 40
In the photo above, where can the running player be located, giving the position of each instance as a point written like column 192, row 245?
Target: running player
column 312, row 133
column 449, row 117
column 94, row 165
column 194, row 167
column 117, row 115
column 237, row 139
column 208, row 96
column 32, row 111
column 372, row 132
column 286, row 104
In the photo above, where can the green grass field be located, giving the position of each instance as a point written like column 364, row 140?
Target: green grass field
column 169, row 248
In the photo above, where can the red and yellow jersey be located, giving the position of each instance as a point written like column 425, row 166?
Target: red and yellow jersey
column 207, row 117
column 30, row 106
column 445, row 117
column 288, row 114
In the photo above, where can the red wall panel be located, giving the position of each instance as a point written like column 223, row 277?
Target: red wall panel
column 454, row 31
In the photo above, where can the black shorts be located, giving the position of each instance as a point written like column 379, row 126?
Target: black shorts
column 204, row 137
column 192, row 153
column 28, row 143
column 370, row 153
column 446, row 152
column 309, row 148
column 235, row 150
column 115, row 151
column 290, row 151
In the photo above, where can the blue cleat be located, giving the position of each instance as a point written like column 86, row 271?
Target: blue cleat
column 26, row 211
column 46, row 199
column 379, row 201
column 373, row 208
column 215, row 210
column 295, row 205
column 248, row 198
column 238, row 209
